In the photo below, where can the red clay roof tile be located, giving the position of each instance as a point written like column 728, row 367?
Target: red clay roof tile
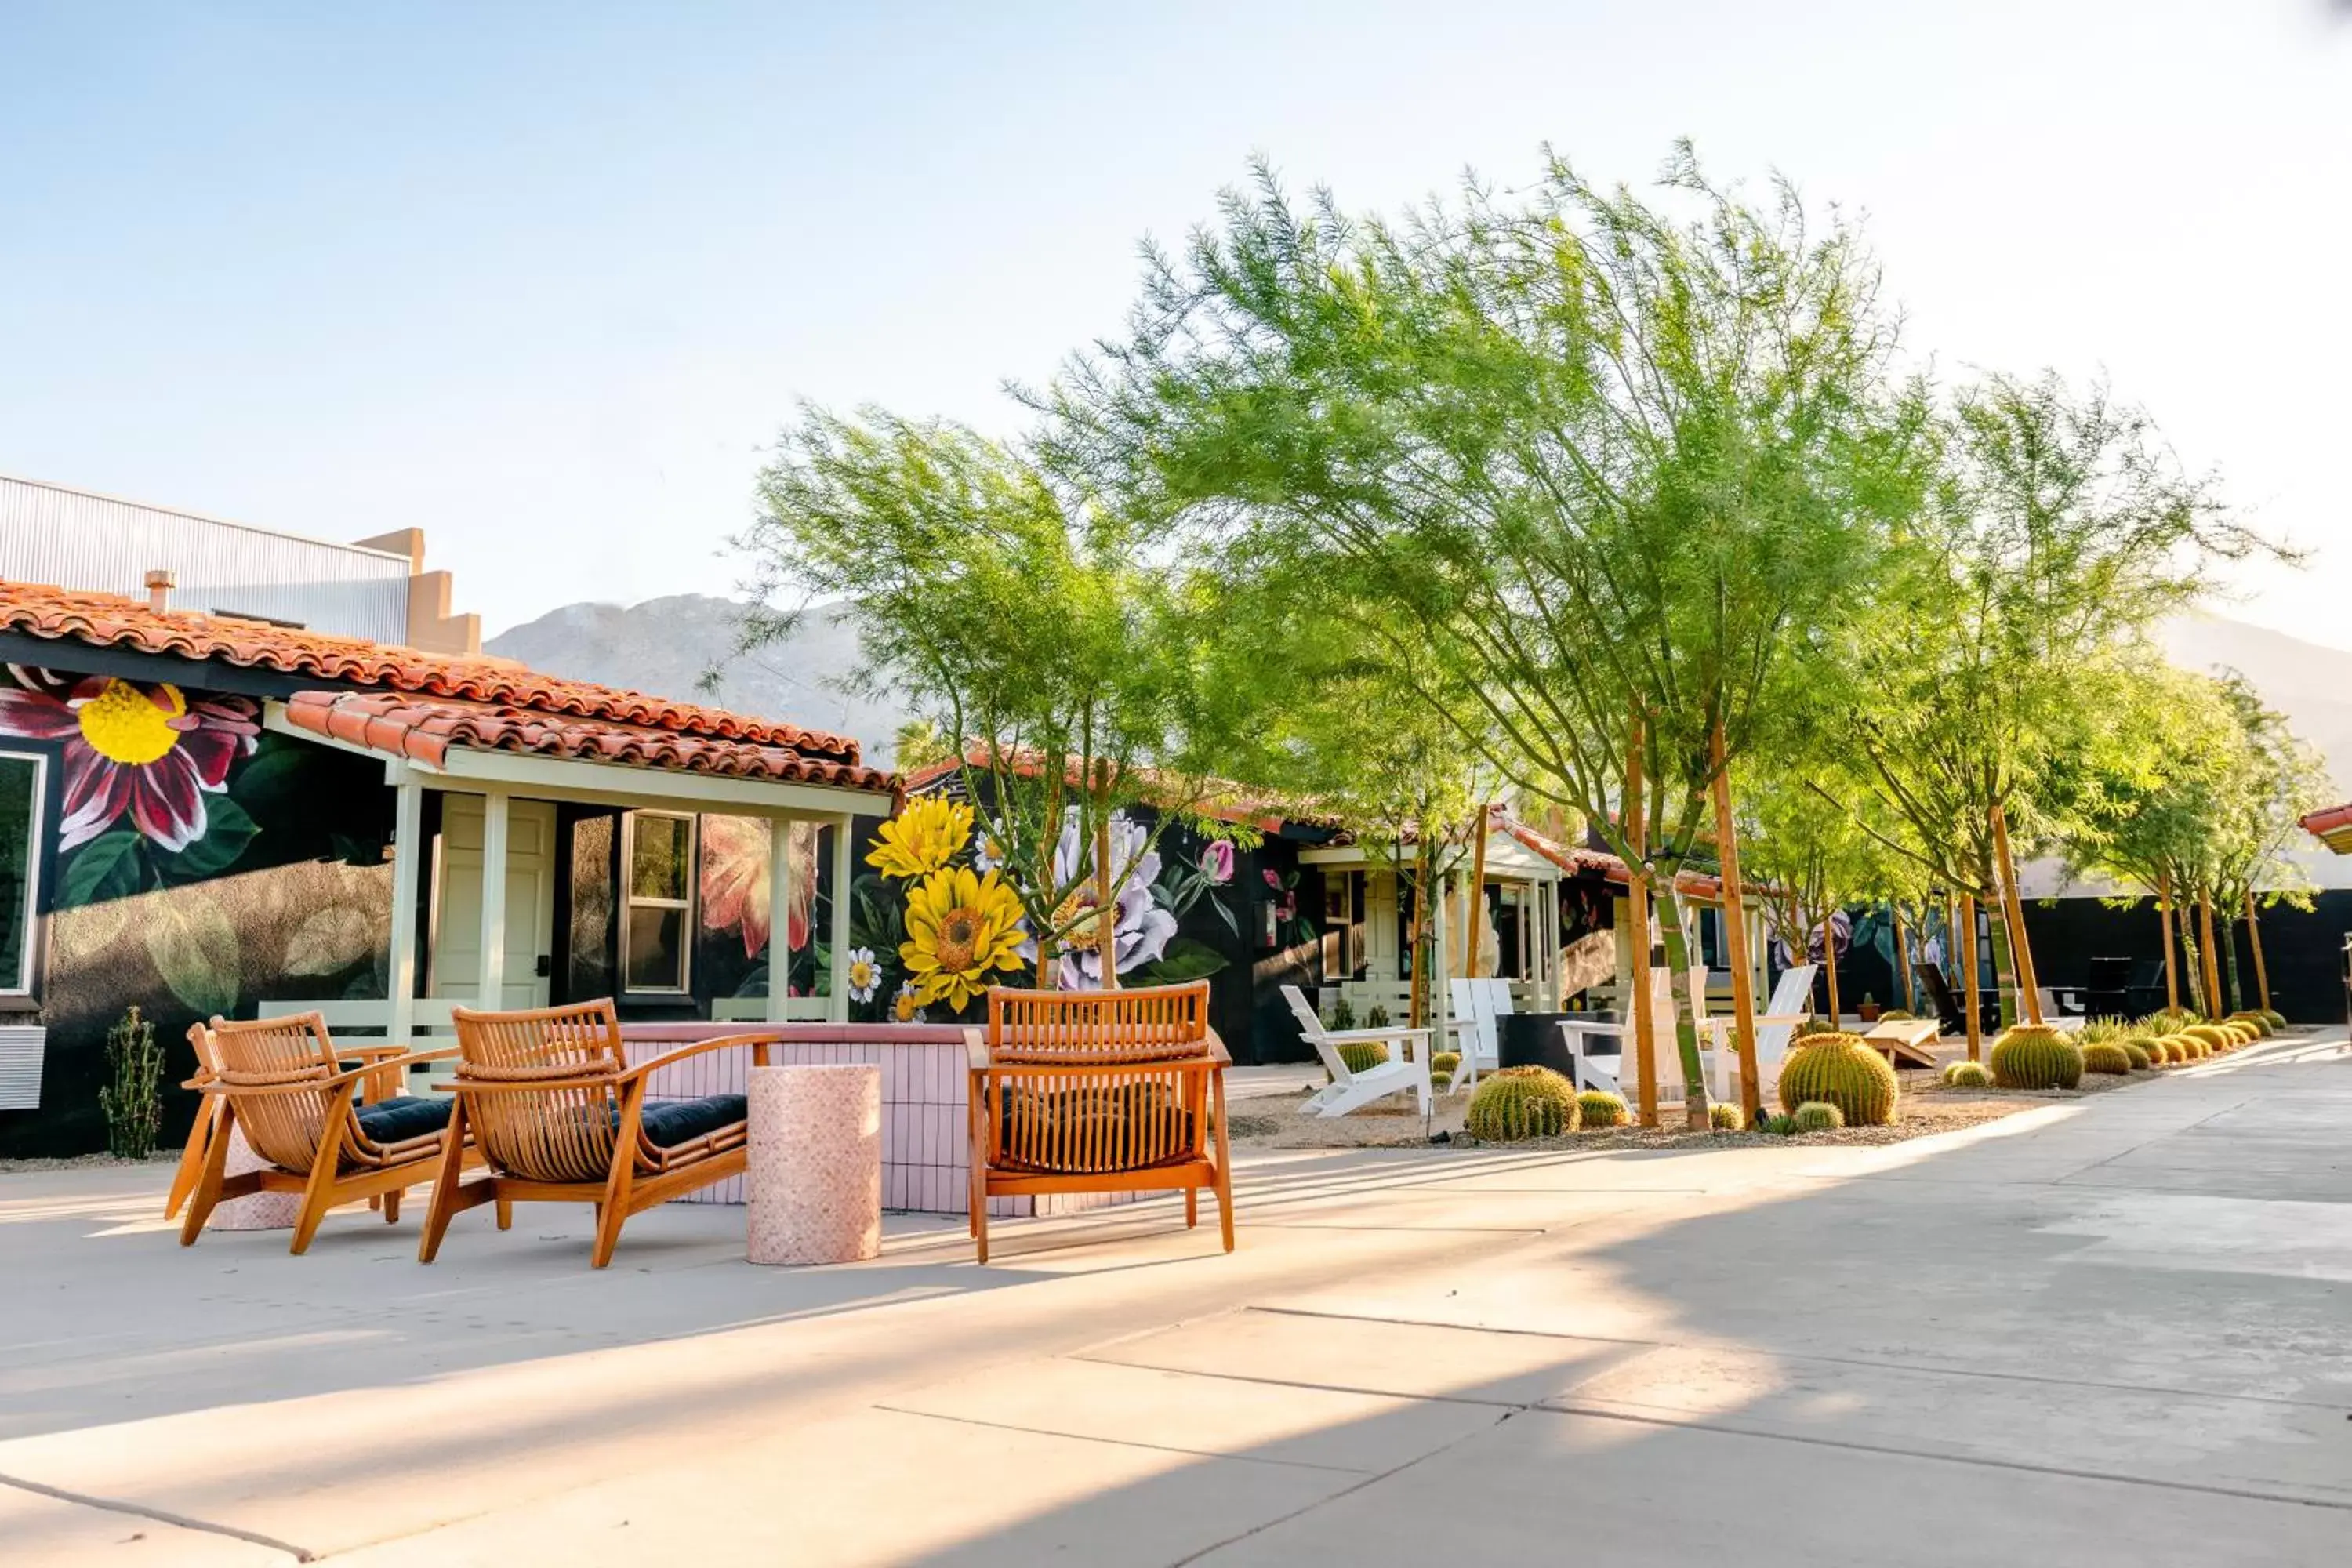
column 426, row 729
column 108, row 620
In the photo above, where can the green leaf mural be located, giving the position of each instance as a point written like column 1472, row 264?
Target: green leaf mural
column 111, row 865
column 195, row 950
column 229, row 830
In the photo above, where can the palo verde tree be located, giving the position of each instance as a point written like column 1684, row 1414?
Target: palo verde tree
column 1598, row 463
column 2058, row 530
column 2277, row 780
column 1026, row 629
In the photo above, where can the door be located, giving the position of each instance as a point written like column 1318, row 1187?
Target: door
column 457, row 958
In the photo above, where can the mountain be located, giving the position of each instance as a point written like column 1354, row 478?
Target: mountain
column 666, row 646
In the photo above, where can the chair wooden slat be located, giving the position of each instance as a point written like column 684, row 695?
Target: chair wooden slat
column 281, row 1081
column 1098, row 1091
column 548, row 1097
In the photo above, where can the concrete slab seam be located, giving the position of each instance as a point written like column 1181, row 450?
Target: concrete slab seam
column 160, row 1516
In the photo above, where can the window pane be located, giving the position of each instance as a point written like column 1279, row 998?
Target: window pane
column 662, row 847
column 657, row 950
column 19, row 781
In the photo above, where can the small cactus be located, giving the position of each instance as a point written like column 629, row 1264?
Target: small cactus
column 2277, row 1019
column 132, row 1101
column 2104, row 1057
column 1810, row 1027
column 1362, row 1056
column 1446, row 1061
column 1897, row 1016
column 1725, row 1117
column 1816, row 1116
column 1967, row 1074
column 1521, row 1102
column 2137, row 1051
column 1839, row 1069
column 1597, row 1108
column 2213, row 1035
column 2035, row 1055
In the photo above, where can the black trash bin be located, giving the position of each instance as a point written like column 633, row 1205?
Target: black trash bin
column 1534, row 1040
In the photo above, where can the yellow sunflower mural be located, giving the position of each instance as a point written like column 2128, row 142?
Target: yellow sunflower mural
column 922, row 838
column 960, row 928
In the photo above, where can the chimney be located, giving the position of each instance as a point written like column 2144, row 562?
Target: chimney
column 158, row 591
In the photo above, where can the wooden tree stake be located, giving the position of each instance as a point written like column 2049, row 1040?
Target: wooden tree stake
column 1637, row 899
column 2164, row 915
column 1969, row 990
column 1734, row 933
column 2212, row 963
column 2029, row 994
column 1477, row 910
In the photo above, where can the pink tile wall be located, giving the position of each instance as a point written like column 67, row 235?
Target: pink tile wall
column 925, row 1147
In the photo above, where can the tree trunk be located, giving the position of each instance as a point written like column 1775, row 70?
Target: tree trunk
column 1417, row 944
column 1637, row 895
column 1476, row 913
column 1969, row 988
column 2255, row 939
column 1679, row 978
column 2171, row 970
column 1735, row 936
column 1829, row 965
column 1105, row 908
column 2193, row 956
column 2230, row 966
column 1902, row 959
column 2004, row 974
column 2029, row 992
column 2212, row 960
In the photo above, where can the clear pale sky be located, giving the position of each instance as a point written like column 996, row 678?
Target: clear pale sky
column 544, row 280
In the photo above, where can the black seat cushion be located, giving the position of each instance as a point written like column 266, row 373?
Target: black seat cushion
column 670, row 1122
column 403, row 1117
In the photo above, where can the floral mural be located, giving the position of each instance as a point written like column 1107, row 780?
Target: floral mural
column 734, row 882
column 201, row 866
column 936, row 920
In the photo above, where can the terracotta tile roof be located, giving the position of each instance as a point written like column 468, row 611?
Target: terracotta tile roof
column 426, row 729
column 1229, row 802
column 2332, row 827
column 1577, row 858
column 107, row 620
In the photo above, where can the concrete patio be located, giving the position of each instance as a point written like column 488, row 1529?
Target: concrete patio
column 2117, row 1331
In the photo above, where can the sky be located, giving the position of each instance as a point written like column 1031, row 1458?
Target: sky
column 546, row 281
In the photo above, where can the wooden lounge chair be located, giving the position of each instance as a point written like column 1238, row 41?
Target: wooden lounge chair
column 1406, row 1068
column 283, row 1081
column 557, row 1115
column 1098, row 1091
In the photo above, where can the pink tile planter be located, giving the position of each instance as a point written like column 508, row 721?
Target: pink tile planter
column 255, row 1211
column 924, row 1148
column 813, row 1177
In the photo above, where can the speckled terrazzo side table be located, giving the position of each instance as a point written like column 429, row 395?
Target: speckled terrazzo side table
column 255, row 1211
column 812, row 1170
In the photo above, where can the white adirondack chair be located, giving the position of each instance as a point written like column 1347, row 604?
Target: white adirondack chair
column 1791, row 1005
column 1481, row 1006
column 1406, row 1068
column 1718, row 1056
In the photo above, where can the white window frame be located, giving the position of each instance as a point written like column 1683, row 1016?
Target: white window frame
column 631, row 902
column 21, row 985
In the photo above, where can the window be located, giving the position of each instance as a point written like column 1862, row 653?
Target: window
column 656, row 901
column 21, row 781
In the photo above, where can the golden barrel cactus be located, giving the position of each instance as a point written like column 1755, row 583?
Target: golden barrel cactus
column 1839, row 1069
column 2035, row 1055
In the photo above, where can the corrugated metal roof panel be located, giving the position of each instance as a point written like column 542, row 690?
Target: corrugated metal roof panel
column 77, row 540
